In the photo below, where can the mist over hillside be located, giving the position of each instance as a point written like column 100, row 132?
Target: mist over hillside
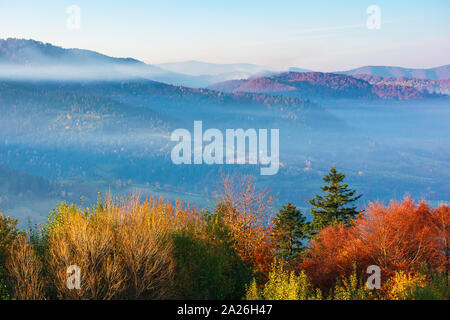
column 22, row 59
column 114, row 135
column 77, row 122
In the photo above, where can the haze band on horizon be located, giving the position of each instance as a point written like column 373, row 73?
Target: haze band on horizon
column 234, row 153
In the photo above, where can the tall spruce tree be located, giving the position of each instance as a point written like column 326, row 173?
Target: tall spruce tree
column 291, row 229
column 336, row 206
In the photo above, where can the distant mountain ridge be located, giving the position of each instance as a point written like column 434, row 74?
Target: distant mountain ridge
column 322, row 85
column 197, row 68
column 30, row 52
column 30, row 59
column 216, row 72
column 437, row 73
column 295, row 69
column 425, row 85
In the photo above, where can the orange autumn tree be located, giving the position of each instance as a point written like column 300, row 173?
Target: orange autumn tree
column 246, row 210
column 403, row 236
column 441, row 222
column 330, row 257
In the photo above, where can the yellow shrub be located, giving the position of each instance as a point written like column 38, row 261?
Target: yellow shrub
column 25, row 271
column 352, row 288
column 123, row 249
column 402, row 284
column 284, row 285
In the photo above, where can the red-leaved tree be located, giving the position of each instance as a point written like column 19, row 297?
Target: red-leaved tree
column 402, row 236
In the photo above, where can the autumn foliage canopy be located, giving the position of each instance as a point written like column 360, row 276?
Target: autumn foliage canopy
column 401, row 236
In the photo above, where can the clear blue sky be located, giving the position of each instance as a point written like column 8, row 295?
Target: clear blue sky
column 320, row 35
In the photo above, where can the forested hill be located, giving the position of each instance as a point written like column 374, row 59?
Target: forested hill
column 321, row 85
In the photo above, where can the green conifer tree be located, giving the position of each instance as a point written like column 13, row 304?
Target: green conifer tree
column 336, row 206
column 291, row 229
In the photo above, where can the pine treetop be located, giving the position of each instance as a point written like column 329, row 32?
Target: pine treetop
column 333, row 207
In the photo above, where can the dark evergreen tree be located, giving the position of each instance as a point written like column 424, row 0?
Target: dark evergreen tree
column 336, row 206
column 290, row 229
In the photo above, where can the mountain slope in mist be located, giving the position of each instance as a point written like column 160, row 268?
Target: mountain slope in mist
column 110, row 135
column 105, row 106
column 30, row 52
column 34, row 60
